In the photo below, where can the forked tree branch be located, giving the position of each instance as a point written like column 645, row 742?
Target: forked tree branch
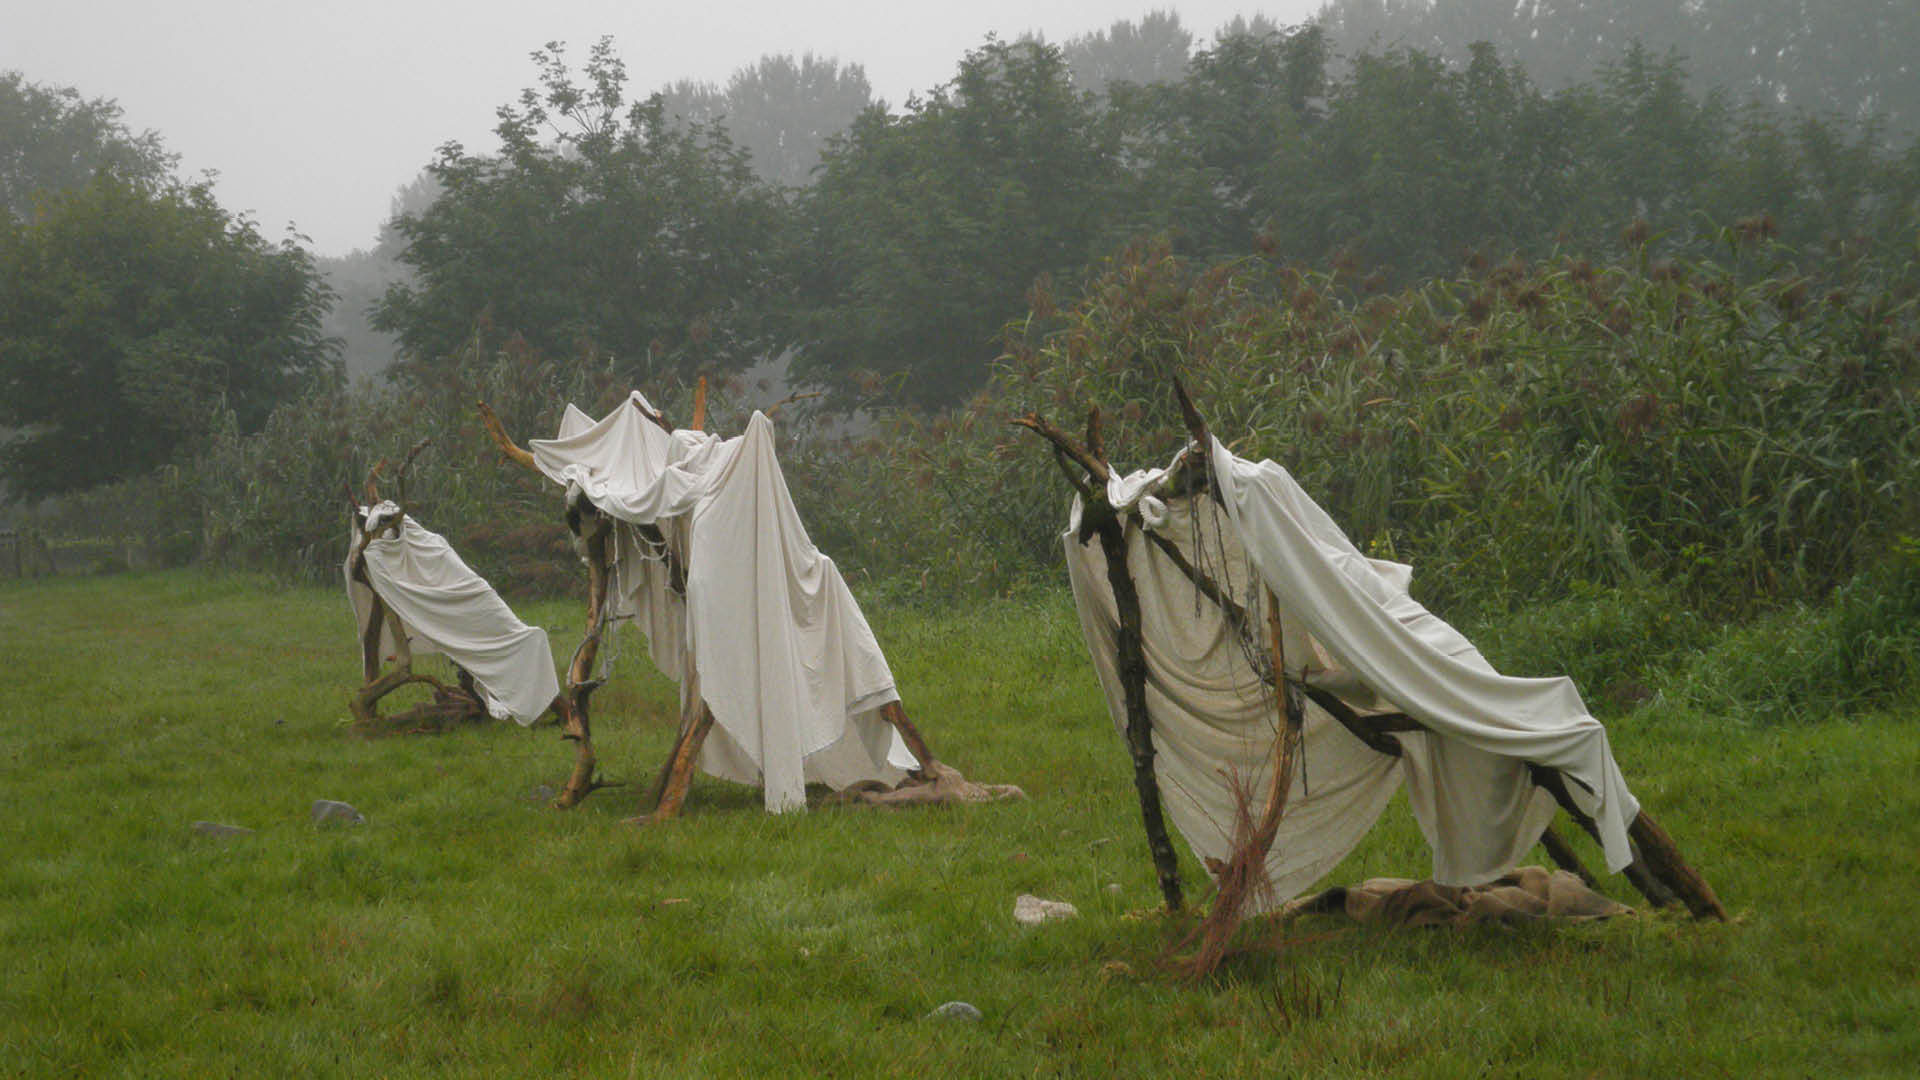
column 498, row 432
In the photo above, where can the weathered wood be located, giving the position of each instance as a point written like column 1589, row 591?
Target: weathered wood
column 450, row 704
column 679, row 775
column 1040, row 425
column 1563, row 856
column 594, row 537
column 370, row 639
column 659, row 418
column 1555, row 783
column 1662, row 857
column 699, row 421
column 1130, row 646
column 893, row 713
column 498, row 432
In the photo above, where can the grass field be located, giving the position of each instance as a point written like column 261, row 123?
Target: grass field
column 469, row 929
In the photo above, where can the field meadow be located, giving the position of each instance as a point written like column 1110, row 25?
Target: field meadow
column 469, row 929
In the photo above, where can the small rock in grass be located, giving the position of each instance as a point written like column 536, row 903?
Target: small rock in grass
column 542, row 793
column 1030, row 910
column 325, row 810
column 955, row 1010
column 214, row 828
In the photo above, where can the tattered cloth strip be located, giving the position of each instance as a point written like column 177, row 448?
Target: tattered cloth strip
column 1528, row 894
column 944, row 784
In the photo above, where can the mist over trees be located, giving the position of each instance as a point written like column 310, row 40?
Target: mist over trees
column 136, row 315
column 360, row 279
column 1854, row 60
column 135, row 318
column 781, row 111
column 895, row 252
column 1153, row 50
column 53, row 140
column 601, row 230
column 891, row 267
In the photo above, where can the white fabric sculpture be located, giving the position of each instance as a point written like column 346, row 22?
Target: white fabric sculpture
column 767, row 632
column 1348, row 626
column 444, row 607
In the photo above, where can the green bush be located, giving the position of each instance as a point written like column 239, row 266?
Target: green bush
column 1735, row 432
column 1859, row 650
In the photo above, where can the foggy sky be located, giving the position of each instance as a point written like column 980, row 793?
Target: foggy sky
column 314, row 114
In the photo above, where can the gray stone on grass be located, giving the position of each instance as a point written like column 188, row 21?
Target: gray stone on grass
column 542, row 793
column 215, row 828
column 326, row 810
column 955, row 1010
column 1030, row 910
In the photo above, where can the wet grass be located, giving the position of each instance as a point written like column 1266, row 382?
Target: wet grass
column 469, row 929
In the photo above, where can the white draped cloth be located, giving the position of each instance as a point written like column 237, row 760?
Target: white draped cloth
column 767, row 631
column 444, row 607
column 1348, row 626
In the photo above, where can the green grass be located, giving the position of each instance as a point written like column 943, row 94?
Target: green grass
column 469, row 929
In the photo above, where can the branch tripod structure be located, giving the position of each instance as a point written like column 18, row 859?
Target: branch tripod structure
column 411, row 592
column 734, row 601
column 1343, row 689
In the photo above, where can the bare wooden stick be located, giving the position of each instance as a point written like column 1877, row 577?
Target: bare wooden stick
column 679, row 776
column 595, row 538
column 1563, row 856
column 1039, row 425
column 655, row 415
column 498, row 432
column 699, row 421
column 1662, row 857
column 1131, row 649
column 770, row 410
column 894, row 714
column 1555, row 783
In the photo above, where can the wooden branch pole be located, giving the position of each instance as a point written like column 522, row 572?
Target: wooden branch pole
column 595, row 537
column 1129, row 645
column 893, row 713
column 699, row 421
column 1563, row 856
column 1555, row 783
column 498, row 432
column 1662, row 856
column 1131, row 648
column 677, row 777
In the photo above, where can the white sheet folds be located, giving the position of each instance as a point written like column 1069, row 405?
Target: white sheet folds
column 1349, row 626
column 445, row 607
column 767, row 631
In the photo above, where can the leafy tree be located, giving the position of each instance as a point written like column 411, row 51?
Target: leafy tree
column 52, row 139
column 601, row 227
column 133, row 316
column 1851, row 59
column 1154, row 50
column 1212, row 153
column 925, row 230
column 781, row 111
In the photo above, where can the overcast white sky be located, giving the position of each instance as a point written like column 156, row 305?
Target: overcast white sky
column 313, row 114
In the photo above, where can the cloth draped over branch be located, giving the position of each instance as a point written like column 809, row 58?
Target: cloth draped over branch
column 1349, row 627
column 445, row 607
column 767, row 629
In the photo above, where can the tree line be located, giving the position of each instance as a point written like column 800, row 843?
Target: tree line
column 640, row 233
column 887, row 249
